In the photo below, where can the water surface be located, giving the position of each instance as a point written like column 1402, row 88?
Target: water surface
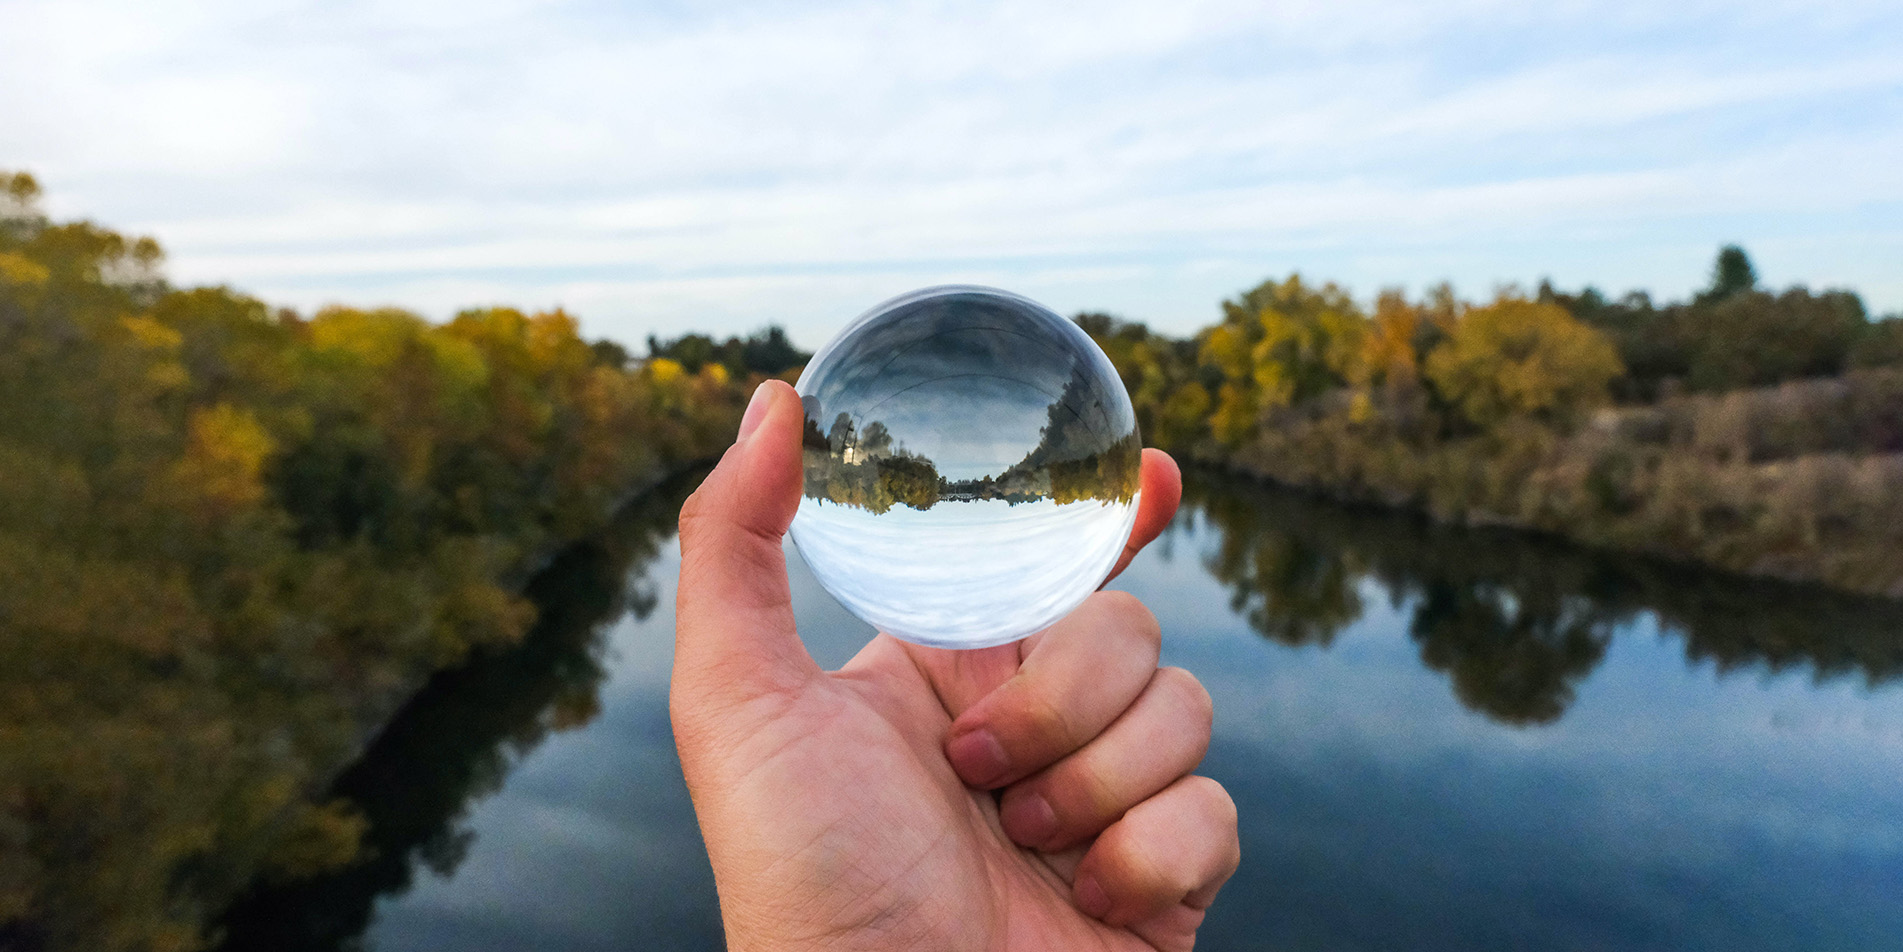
column 1437, row 740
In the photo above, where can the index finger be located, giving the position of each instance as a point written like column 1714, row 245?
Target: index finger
column 1162, row 490
column 1077, row 677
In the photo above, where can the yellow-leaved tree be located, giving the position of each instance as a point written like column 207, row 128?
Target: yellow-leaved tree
column 1522, row 358
column 1279, row 343
column 1384, row 372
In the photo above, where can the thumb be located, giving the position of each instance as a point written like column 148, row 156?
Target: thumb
column 734, row 638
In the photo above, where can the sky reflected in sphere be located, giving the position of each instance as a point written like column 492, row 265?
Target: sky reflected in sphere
column 971, row 467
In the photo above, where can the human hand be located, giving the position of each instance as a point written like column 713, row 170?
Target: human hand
column 861, row 809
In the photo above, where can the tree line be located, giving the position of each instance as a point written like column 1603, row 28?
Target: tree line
column 1757, row 430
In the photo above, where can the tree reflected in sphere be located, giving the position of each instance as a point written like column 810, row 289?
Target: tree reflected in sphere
column 971, row 467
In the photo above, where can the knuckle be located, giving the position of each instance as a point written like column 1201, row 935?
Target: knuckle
column 1191, row 694
column 692, row 720
column 1133, row 615
column 703, row 505
column 1134, row 865
column 696, row 574
column 1051, row 724
column 694, row 514
column 1160, row 873
column 1215, row 800
column 1148, row 628
column 1085, row 795
column 1118, row 602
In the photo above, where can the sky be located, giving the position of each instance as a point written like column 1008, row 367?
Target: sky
column 684, row 166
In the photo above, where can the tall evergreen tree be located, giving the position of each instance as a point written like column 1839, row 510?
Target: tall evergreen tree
column 1731, row 274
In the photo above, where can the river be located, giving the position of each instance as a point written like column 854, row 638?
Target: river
column 1437, row 739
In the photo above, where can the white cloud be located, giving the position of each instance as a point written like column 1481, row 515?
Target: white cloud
column 668, row 168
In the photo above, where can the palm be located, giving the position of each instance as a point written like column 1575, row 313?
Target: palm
column 879, row 826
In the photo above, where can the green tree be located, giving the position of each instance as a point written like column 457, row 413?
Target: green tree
column 1754, row 338
column 1731, row 274
column 1880, row 345
column 766, row 351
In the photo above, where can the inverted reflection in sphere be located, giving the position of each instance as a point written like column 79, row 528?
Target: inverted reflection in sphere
column 971, row 467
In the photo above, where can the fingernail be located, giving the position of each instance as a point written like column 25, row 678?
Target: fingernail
column 1090, row 897
column 756, row 412
column 978, row 758
column 1028, row 819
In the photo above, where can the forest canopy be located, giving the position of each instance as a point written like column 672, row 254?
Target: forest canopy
column 766, row 352
column 233, row 538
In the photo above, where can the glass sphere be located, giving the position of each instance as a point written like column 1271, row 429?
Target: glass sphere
column 971, row 467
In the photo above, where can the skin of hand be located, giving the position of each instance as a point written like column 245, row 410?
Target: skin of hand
column 1035, row 796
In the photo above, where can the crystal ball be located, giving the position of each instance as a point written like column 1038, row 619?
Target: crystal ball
column 971, row 464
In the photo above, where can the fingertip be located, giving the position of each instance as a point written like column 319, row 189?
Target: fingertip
column 769, row 398
column 772, row 450
column 756, row 409
column 978, row 757
column 1162, row 486
column 756, row 484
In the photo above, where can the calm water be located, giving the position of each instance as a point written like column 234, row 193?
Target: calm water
column 1438, row 740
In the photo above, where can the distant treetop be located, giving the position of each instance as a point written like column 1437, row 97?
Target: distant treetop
column 1731, row 274
column 765, row 351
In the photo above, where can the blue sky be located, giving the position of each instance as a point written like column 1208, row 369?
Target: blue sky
column 722, row 165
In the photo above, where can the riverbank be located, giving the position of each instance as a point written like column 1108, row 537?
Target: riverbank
column 1801, row 482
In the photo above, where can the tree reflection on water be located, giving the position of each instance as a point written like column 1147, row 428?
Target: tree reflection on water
column 457, row 740
column 1515, row 621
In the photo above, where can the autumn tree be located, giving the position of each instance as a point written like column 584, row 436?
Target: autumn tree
column 234, row 538
column 1167, row 387
column 1520, row 358
column 1730, row 335
column 1383, row 371
column 1278, row 344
